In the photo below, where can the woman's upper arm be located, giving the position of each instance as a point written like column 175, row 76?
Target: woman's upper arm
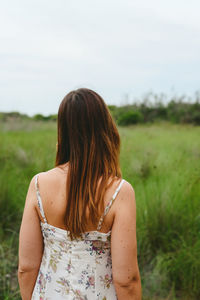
column 30, row 237
column 123, row 240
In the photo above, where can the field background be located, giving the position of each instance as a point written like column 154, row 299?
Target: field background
column 161, row 161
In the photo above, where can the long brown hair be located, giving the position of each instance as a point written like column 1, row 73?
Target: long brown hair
column 89, row 140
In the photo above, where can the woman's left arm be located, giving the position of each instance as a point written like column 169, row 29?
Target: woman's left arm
column 30, row 245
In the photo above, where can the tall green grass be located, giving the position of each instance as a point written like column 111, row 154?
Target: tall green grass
column 161, row 161
column 163, row 164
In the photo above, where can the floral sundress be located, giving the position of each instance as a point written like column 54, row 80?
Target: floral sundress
column 77, row 270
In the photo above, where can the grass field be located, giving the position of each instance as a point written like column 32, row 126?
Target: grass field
column 161, row 161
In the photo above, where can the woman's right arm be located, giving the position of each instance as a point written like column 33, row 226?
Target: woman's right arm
column 126, row 276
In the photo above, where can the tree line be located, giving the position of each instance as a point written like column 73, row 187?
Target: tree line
column 151, row 109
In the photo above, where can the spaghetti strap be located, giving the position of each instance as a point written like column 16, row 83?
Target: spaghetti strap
column 39, row 199
column 109, row 204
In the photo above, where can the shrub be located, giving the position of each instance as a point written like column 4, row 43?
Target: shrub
column 130, row 117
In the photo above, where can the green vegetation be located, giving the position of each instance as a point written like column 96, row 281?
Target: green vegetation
column 129, row 117
column 161, row 161
column 151, row 109
column 163, row 164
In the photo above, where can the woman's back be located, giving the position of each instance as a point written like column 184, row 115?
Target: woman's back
column 78, row 269
column 52, row 187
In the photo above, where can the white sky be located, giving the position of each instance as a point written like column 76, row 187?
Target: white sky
column 48, row 48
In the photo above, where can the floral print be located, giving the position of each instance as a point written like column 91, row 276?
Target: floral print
column 75, row 270
column 106, row 280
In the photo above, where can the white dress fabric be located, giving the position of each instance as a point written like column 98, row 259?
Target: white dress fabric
column 77, row 270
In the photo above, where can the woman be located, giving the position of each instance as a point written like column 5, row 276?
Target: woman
column 78, row 231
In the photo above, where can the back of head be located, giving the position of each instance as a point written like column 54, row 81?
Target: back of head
column 89, row 140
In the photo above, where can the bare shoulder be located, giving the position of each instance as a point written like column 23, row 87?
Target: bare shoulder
column 51, row 185
column 127, row 189
column 50, row 175
column 126, row 195
column 46, row 174
column 124, row 207
column 32, row 184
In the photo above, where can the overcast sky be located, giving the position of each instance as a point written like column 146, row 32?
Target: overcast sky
column 114, row 47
